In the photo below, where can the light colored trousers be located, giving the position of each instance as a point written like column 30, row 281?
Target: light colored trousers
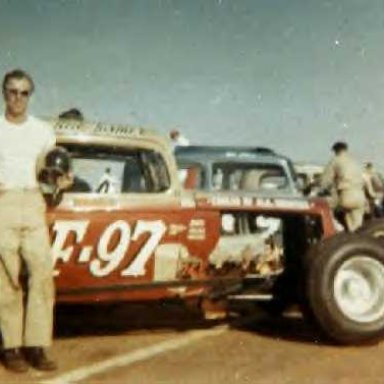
column 353, row 203
column 26, row 318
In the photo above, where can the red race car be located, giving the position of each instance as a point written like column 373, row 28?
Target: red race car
column 127, row 230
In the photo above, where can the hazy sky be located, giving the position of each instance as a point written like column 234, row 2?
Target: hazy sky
column 295, row 75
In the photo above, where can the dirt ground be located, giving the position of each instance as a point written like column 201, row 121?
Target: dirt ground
column 166, row 343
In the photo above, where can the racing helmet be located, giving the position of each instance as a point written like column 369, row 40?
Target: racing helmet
column 57, row 162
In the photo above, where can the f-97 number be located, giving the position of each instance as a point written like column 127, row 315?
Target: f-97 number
column 108, row 259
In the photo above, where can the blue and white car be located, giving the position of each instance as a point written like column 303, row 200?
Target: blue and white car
column 222, row 168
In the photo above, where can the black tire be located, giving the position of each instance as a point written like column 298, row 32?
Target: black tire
column 283, row 297
column 373, row 228
column 345, row 288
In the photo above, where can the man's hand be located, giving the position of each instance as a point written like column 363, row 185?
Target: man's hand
column 65, row 181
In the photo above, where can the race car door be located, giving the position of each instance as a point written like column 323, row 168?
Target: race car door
column 121, row 229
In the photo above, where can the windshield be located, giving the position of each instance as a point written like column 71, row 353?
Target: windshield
column 117, row 170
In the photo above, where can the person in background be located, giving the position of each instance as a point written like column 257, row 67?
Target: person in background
column 72, row 114
column 344, row 175
column 108, row 182
column 374, row 191
column 177, row 139
column 314, row 187
column 26, row 328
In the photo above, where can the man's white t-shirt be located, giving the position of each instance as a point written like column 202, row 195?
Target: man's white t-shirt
column 20, row 147
column 180, row 141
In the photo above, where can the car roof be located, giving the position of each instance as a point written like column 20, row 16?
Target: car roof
column 87, row 131
column 78, row 127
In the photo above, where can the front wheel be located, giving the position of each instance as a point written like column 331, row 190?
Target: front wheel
column 345, row 288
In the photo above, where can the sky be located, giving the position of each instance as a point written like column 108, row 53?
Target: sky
column 294, row 75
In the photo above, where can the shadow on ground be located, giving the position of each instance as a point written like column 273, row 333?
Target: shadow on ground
column 291, row 326
column 111, row 319
column 285, row 328
column 114, row 319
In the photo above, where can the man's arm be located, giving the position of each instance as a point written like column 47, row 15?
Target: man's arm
column 49, row 143
column 328, row 176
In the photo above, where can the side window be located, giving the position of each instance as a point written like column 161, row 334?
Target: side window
column 155, row 172
column 113, row 170
column 248, row 176
column 133, row 176
column 97, row 175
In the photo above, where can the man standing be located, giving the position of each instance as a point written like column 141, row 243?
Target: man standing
column 373, row 190
column 177, row 139
column 24, row 240
column 344, row 175
column 108, row 182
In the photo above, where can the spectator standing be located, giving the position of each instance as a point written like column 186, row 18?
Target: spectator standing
column 26, row 329
column 178, row 139
column 72, row 114
column 345, row 176
column 374, row 190
column 108, row 182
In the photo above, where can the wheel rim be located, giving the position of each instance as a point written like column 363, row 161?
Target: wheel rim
column 378, row 233
column 359, row 289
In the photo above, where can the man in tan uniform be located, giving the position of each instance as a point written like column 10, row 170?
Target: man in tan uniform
column 345, row 176
column 374, row 191
column 24, row 240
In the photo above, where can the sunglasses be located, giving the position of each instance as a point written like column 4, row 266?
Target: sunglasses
column 16, row 92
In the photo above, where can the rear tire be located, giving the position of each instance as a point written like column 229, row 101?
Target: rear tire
column 373, row 228
column 345, row 288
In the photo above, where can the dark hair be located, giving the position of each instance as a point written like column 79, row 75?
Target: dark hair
column 339, row 146
column 174, row 133
column 72, row 114
column 18, row 74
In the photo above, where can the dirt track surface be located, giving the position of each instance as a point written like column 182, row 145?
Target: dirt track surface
column 166, row 343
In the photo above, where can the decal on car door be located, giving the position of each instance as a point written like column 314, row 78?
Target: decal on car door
column 107, row 259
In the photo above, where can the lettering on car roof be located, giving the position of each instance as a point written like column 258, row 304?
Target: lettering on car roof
column 99, row 129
